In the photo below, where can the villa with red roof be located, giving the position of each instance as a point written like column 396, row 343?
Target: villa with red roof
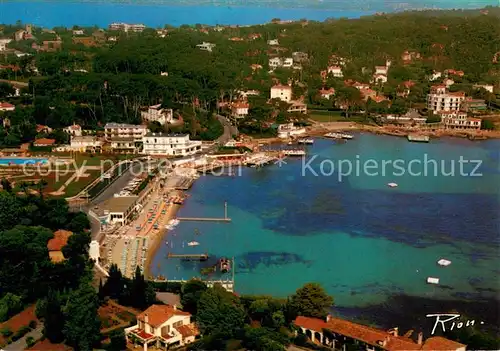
column 339, row 333
column 162, row 327
column 5, row 106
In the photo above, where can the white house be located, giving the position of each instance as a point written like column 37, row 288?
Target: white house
column 162, row 327
column 275, row 62
column 288, row 62
column 487, row 87
column 459, row 120
column 282, row 92
column 297, row 107
column 157, row 114
column 3, row 44
column 5, row 106
column 127, row 27
column 273, row 42
column 440, row 99
column 73, row 130
column 206, row 46
column 288, row 130
column 85, row 144
column 170, row 144
column 327, row 93
column 381, row 70
column 335, row 71
column 435, row 75
column 78, row 32
column 379, row 78
column 240, row 109
column 127, row 131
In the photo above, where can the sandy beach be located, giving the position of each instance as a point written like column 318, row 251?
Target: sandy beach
column 156, row 238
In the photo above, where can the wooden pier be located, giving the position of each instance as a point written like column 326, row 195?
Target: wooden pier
column 190, row 257
column 208, row 219
column 204, row 219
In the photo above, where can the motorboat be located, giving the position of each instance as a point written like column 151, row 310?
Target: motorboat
column 392, row 185
column 432, row 280
column 173, row 222
column 306, row 141
column 193, row 243
column 294, row 152
column 346, row 136
column 339, row 136
column 444, row 262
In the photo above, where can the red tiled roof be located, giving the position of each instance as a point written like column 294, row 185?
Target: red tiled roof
column 142, row 334
column 188, row 330
column 59, row 240
column 44, row 141
column 278, row 86
column 438, row 343
column 6, row 105
column 159, row 314
column 241, row 105
column 359, row 332
column 40, row 127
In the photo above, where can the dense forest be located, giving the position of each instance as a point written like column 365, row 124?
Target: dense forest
column 107, row 80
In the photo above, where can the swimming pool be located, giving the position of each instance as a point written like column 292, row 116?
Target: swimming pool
column 21, row 161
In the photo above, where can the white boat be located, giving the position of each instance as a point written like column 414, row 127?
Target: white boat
column 173, row 222
column 346, row 136
column 392, row 185
column 432, row 280
column 444, row 262
column 333, row 135
column 306, row 141
column 294, row 152
column 193, row 243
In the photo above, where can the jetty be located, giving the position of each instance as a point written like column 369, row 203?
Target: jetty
column 418, row 138
column 203, row 219
column 189, row 257
column 260, row 160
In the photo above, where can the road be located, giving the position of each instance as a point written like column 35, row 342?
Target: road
column 21, row 343
column 229, row 130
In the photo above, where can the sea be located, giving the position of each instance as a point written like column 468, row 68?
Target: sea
column 157, row 13
column 331, row 218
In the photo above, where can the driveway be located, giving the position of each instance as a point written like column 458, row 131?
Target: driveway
column 21, row 343
column 229, row 130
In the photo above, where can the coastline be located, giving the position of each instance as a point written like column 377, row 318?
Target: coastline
column 156, row 239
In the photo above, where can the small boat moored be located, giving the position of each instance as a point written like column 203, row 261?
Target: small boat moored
column 294, row 152
column 339, row 136
column 432, row 280
column 444, row 262
column 306, row 141
column 392, row 185
column 193, row 243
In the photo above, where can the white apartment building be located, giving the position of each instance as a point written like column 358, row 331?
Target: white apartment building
column 459, row 120
column 170, row 144
column 335, row 71
column 440, row 99
column 125, row 145
column 240, row 109
column 379, row 78
column 162, row 327
column 85, row 144
column 381, row 70
column 125, row 27
column 3, row 44
column 122, row 130
column 282, row 92
column 206, row 46
column 157, row 114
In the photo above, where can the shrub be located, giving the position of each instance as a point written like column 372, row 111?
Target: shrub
column 30, row 341
column 6, row 332
column 33, row 324
column 21, row 332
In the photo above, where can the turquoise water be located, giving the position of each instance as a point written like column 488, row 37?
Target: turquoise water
column 22, row 161
column 364, row 242
column 159, row 13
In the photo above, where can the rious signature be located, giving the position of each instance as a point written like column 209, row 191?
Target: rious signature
column 443, row 318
